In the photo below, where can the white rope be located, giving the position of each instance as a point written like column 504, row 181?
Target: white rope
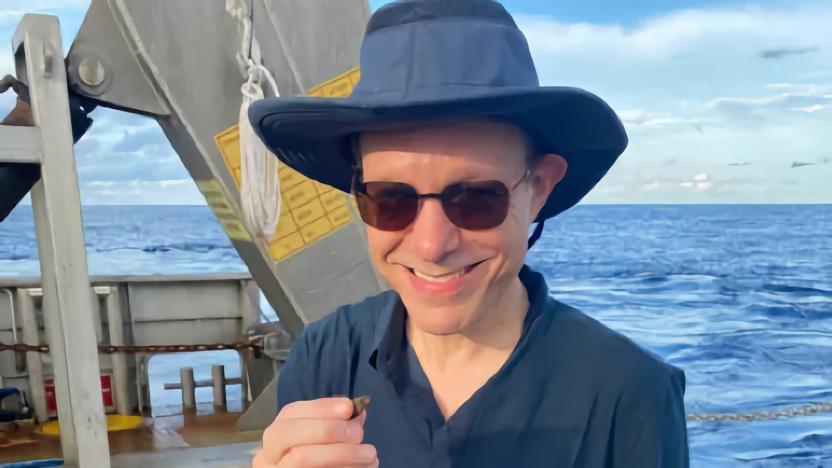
column 259, row 181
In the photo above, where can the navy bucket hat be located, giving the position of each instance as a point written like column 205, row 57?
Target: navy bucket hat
column 423, row 60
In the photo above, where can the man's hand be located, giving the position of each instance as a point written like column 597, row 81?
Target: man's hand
column 316, row 434
column 20, row 116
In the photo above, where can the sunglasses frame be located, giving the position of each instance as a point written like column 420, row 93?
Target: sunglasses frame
column 359, row 189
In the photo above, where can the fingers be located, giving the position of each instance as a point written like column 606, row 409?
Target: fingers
column 323, row 456
column 335, row 407
column 316, row 433
column 330, row 456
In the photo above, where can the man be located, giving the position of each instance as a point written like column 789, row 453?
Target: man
column 453, row 151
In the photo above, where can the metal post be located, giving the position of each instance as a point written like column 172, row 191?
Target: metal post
column 29, row 324
column 251, row 316
column 115, row 322
column 186, row 379
column 67, row 304
column 218, row 383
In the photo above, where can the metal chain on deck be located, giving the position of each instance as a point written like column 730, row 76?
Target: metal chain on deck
column 257, row 347
column 111, row 349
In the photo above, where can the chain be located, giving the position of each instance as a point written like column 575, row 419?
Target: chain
column 806, row 410
column 763, row 415
column 24, row 348
column 111, row 349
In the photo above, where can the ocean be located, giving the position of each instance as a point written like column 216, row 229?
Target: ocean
column 738, row 296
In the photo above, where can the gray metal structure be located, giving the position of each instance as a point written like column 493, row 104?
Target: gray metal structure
column 175, row 61
column 56, row 202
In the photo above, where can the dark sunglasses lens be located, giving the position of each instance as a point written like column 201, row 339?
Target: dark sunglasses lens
column 388, row 206
column 476, row 205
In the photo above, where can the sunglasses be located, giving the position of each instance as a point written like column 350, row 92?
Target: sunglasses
column 473, row 206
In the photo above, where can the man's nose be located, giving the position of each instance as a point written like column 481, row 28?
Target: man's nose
column 433, row 235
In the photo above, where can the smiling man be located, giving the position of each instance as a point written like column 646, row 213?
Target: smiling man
column 453, row 151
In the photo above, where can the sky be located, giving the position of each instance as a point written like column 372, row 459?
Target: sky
column 724, row 101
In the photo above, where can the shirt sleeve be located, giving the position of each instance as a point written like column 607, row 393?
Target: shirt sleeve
column 650, row 431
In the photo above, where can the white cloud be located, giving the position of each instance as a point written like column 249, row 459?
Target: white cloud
column 758, row 107
column 691, row 86
column 669, row 36
column 141, row 192
column 737, row 94
column 641, row 119
column 812, row 108
column 811, row 89
column 700, row 182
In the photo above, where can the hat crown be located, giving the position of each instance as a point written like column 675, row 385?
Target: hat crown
column 431, row 49
column 412, row 11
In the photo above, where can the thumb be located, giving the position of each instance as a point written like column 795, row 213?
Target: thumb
column 361, row 418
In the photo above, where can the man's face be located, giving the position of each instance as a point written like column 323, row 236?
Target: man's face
column 448, row 277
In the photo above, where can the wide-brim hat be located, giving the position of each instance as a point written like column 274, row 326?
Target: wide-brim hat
column 424, row 60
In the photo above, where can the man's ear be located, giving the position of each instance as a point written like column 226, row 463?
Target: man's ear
column 550, row 169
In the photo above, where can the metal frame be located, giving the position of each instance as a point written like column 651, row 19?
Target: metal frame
column 56, row 202
column 19, row 145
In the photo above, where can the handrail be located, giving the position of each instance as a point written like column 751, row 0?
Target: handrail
column 11, row 304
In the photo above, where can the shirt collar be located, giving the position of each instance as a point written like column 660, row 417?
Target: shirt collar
column 389, row 334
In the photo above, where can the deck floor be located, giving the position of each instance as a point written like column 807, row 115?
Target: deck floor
column 178, row 440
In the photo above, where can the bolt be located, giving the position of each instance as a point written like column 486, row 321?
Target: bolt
column 91, row 72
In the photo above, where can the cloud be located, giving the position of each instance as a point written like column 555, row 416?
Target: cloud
column 755, row 108
column 159, row 192
column 104, row 117
column 676, row 34
column 811, row 89
column 645, row 120
column 148, row 139
column 701, row 181
column 773, row 54
column 122, row 167
column 700, row 106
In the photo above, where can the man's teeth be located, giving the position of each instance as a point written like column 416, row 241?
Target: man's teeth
column 441, row 278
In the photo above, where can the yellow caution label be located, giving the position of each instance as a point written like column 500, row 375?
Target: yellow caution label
column 223, row 210
column 309, row 209
column 340, row 86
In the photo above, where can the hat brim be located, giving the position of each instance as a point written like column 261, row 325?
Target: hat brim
column 310, row 134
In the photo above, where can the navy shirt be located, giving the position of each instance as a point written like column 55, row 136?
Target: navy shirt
column 573, row 393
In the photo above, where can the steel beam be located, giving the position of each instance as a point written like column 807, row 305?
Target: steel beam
column 56, row 202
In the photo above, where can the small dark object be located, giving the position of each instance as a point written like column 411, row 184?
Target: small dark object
column 359, row 404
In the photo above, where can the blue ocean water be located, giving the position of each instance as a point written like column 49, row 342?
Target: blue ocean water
column 739, row 296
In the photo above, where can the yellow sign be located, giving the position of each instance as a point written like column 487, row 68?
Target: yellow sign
column 309, row 209
column 340, row 86
column 223, row 209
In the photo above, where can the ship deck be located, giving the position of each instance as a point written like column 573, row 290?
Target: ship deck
column 204, row 438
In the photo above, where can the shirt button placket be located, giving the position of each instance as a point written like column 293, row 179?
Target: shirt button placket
column 441, row 448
